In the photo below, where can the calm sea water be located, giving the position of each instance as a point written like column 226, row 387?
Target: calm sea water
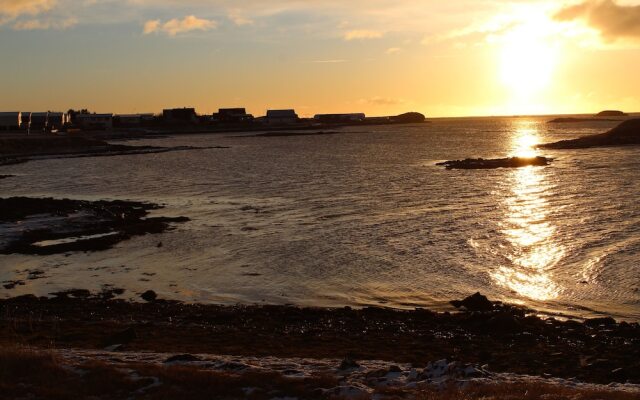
column 362, row 218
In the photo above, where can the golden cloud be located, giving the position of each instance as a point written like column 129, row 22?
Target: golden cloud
column 176, row 26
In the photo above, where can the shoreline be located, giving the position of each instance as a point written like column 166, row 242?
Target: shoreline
column 506, row 338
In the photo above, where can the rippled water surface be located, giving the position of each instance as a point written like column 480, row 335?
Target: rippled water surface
column 363, row 217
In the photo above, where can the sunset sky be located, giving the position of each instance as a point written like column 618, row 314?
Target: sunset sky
column 441, row 58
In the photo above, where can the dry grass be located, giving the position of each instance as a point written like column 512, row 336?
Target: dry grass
column 522, row 391
column 27, row 373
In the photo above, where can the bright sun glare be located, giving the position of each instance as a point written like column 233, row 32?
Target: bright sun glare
column 528, row 57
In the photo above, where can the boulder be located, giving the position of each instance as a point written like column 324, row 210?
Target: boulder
column 475, row 302
column 149, row 296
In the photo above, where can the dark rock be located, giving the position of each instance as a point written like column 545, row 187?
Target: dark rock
column 475, row 302
column 604, row 321
column 96, row 225
column 72, row 294
column 619, row 374
column 348, row 363
column 182, row 358
column 231, row 366
column 12, row 284
column 504, row 323
column 481, row 163
column 395, row 368
column 122, row 337
column 149, row 296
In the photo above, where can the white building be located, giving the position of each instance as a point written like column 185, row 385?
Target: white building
column 94, row 121
column 281, row 117
column 10, row 121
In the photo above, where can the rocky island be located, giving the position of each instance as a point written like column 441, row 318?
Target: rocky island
column 627, row 133
column 481, row 163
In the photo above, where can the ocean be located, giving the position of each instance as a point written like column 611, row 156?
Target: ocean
column 361, row 218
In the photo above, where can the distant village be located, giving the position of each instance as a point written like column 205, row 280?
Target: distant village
column 183, row 118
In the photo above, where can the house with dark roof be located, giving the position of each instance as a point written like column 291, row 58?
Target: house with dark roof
column 281, row 117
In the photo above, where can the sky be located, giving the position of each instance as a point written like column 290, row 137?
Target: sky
column 381, row 57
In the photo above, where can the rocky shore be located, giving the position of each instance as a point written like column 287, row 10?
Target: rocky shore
column 50, row 226
column 502, row 338
column 625, row 134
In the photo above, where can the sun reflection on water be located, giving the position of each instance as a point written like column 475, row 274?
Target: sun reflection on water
column 533, row 250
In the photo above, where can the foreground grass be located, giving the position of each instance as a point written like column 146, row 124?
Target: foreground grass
column 27, row 373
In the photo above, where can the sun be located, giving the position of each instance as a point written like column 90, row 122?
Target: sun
column 528, row 58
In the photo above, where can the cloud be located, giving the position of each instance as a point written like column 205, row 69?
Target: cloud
column 382, row 101
column 11, row 9
column 177, row 26
column 39, row 24
column 612, row 20
column 151, row 26
column 358, row 34
column 328, row 61
column 238, row 18
column 393, row 50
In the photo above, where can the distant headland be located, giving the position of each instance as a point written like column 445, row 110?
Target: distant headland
column 602, row 116
column 627, row 133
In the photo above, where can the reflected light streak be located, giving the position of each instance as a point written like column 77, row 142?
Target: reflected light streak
column 534, row 252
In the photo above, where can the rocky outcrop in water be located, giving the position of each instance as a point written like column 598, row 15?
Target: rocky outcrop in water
column 52, row 226
column 627, row 133
column 481, row 163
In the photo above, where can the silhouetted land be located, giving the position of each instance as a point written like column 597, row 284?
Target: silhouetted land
column 507, row 338
column 293, row 133
column 627, row 133
column 570, row 120
column 611, row 113
column 22, row 148
column 481, row 163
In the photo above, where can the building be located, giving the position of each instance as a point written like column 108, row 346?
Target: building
column 94, row 122
column 10, row 121
column 57, row 120
column 180, row 116
column 133, row 120
column 232, row 115
column 26, row 121
column 281, row 117
column 338, row 118
column 39, row 121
